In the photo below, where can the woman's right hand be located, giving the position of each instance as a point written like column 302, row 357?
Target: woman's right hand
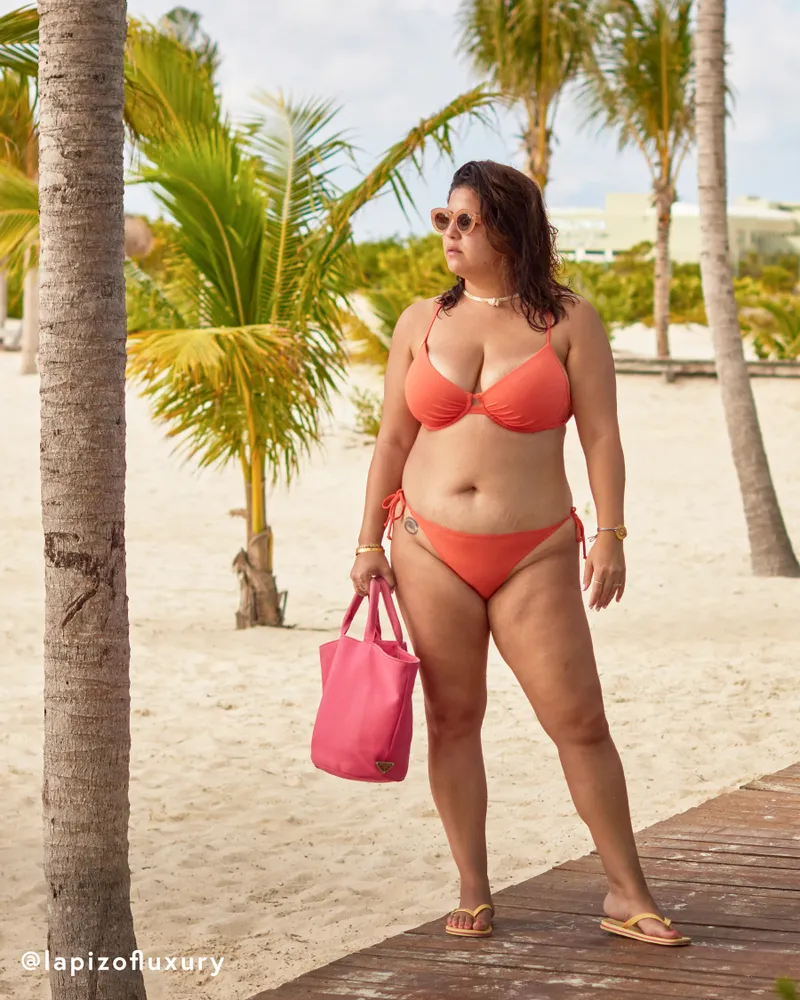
column 368, row 565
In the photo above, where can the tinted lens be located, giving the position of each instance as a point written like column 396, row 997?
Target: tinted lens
column 464, row 222
column 441, row 220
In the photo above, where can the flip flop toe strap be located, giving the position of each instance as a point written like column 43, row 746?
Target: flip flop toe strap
column 472, row 913
column 632, row 921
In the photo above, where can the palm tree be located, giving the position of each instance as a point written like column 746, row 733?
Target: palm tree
column 241, row 352
column 639, row 82
column 770, row 547
column 530, row 50
column 86, row 637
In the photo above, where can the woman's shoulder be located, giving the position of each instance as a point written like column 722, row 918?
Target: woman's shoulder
column 581, row 319
column 414, row 320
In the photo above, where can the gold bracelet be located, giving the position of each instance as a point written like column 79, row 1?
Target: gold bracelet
column 372, row 547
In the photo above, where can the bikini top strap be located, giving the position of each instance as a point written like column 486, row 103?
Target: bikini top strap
column 433, row 320
column 549, row 325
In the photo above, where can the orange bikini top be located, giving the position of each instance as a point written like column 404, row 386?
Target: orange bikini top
column 532, row 397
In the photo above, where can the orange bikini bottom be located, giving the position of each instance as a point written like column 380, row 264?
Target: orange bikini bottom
column 483, row 561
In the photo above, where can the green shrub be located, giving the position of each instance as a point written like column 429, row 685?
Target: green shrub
column 369, row 408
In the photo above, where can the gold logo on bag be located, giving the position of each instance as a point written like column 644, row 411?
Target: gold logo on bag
column 384, row 765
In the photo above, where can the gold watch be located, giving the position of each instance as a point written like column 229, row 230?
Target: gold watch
column 619, row 530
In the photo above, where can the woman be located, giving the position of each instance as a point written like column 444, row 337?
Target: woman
column 469, row 462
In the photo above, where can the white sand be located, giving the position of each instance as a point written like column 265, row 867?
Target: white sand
column 240, row 847
column 687, row 341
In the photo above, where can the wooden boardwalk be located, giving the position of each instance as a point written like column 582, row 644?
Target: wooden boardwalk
column 728, row 871
column 674, row 368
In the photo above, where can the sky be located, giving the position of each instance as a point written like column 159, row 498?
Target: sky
column 389, row 63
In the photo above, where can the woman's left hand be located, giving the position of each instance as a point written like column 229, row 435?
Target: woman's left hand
column 605, row 568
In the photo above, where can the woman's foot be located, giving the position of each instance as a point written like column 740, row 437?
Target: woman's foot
column 621, row 907
column 471, row 898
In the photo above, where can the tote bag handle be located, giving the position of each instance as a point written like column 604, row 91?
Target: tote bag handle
column 378, row 588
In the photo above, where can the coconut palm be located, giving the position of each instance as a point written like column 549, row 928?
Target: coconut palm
column 770, row 547
column 240, row 353
column 82, row 358
column 639, row 83
column 530, row 50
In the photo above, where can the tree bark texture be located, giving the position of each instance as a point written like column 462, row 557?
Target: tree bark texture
column 664, row 197
column 770, row 547
column 537, row 143
column 260, row 601
column 30, row 322
column 82, row 361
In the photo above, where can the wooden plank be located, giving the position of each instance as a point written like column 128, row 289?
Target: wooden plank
column 672, row 368
column 589, row 882
column 786, row 781
column 743, row 836
column 703, row 856
column 700, row 873
column 771, row 855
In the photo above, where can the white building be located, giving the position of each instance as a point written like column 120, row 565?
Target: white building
column 755, row 225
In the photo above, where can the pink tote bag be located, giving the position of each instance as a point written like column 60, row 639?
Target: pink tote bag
column 364, row 721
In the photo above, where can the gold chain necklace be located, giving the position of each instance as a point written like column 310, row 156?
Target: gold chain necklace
column 493, row 301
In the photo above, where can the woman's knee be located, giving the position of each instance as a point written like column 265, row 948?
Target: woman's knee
column 581, row 725
column 453, row 719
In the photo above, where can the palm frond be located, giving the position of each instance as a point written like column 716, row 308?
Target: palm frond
column 184, row 24
column 19, row 41
column 527, row 48
column 639, row 80
column 218, row 389
column 210, row 190
column 19, row 215
column 19, row 145
column 169, row 89
column 333, row 236
column 149, row 304
column 297, row 159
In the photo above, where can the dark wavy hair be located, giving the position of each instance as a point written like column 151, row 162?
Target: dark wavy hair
column 512, row 209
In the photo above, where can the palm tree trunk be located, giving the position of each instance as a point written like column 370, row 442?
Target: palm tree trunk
column 30, row 319
column 537, row 142
column 770, row 548
column 260, row 602
column 664, row 198
column 86, row 643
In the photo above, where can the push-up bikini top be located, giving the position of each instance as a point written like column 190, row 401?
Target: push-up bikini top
column 532, row 397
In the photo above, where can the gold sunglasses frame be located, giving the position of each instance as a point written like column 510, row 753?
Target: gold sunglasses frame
column 451, row 215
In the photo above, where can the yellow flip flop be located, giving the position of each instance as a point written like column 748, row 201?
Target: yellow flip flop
column 626, row 929
column 468, row 931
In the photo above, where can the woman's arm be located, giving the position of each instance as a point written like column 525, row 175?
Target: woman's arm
column 590, row 366
column 397, row 434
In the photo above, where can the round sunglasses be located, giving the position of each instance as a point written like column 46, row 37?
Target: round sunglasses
column 465, row 221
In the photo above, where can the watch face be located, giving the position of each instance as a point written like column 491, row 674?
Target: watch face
column 621, row 531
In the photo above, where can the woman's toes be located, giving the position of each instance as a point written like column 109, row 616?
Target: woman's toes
column 656, row 929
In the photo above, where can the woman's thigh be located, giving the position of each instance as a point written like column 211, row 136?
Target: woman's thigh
column 449, row 629
column 539, row 625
